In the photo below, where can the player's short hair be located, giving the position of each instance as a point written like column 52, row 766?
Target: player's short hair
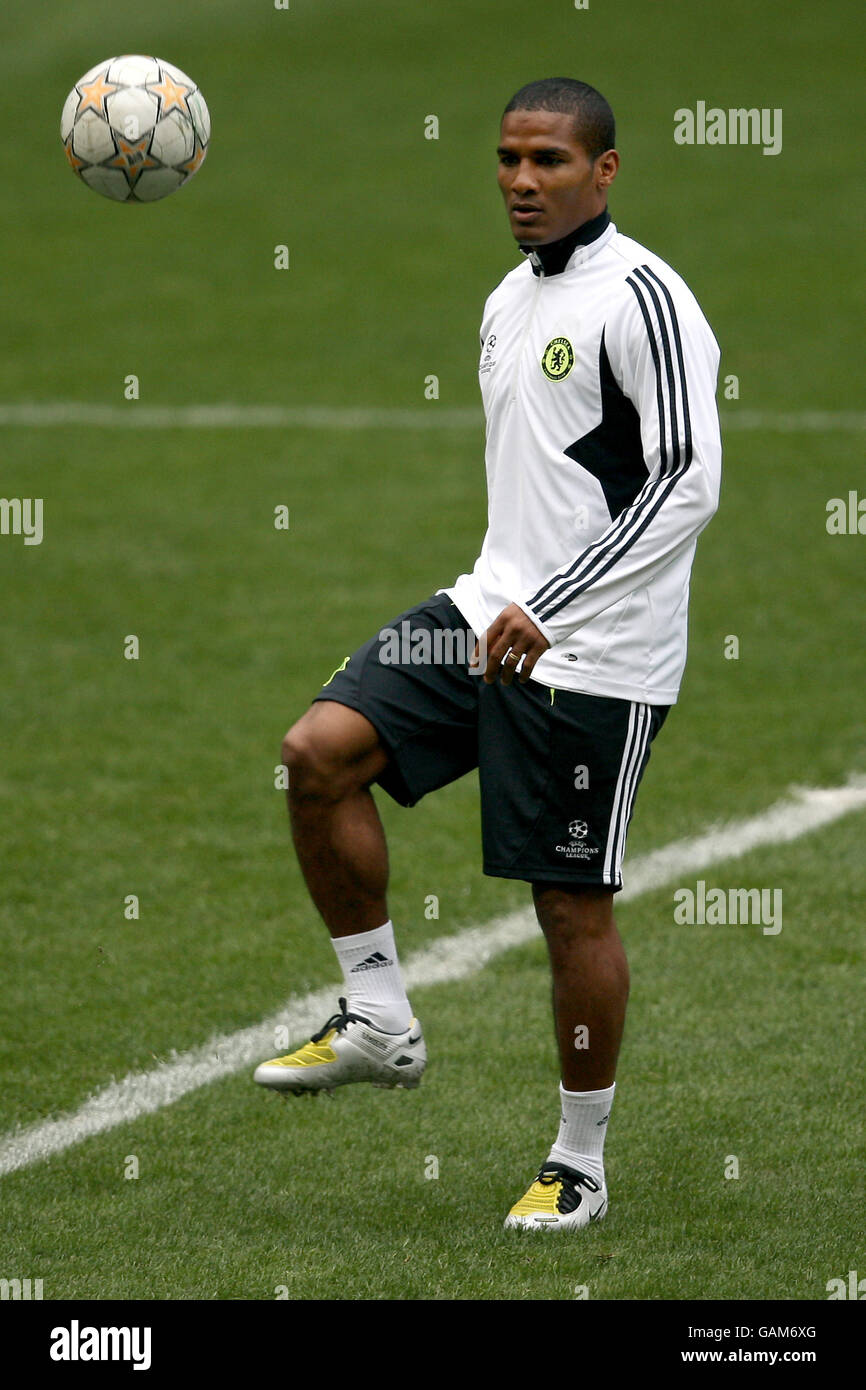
column 594, row 126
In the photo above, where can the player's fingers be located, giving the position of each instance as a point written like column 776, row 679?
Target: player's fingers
column 494, row 661
column 496, row 649
column 513, row 644
column 530, row 659
column 509, row 665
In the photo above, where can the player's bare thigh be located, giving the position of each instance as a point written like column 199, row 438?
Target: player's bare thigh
column 331, row 752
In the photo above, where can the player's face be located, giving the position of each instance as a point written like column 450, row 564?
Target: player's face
column 549, row 183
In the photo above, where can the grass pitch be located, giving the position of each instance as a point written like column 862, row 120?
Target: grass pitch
column 155, row 777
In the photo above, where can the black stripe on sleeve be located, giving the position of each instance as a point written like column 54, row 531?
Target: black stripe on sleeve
column 600, row 557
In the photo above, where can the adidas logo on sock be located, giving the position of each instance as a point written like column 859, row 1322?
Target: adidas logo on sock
column 374, row 962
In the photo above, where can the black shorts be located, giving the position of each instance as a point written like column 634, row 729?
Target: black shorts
column 558, row 769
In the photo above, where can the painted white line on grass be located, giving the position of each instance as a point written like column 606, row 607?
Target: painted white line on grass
column 49, row 414
column 447, row 959
column 794, row 421
column 228, row 416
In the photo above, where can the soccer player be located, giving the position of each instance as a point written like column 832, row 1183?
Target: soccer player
column 598, row 374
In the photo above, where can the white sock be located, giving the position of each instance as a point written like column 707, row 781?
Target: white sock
column 582, row 1127
column 374, row 984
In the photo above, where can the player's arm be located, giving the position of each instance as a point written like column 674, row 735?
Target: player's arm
column 665, row 359
column 512, row 634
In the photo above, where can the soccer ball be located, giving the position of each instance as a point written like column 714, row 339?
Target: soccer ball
column 135, row 128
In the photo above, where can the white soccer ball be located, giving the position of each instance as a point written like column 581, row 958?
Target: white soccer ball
column 135, row 128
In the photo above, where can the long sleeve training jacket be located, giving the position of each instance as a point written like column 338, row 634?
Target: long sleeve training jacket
column 598, row 374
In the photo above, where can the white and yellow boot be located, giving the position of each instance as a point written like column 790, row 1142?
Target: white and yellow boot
column 348, row 1048
column 559, row 1199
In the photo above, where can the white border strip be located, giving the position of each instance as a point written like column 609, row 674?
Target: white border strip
column 228, row 417
column 449, row 958
column 134, row 415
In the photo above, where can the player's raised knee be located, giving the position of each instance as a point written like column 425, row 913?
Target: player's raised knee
column 330, row 752
column 310, row 761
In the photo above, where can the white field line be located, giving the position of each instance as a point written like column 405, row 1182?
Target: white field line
column 49, row 414
column 228, row 416
column 449, row 958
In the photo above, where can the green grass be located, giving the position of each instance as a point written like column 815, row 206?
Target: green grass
column 155, row 776
column 328, row 1197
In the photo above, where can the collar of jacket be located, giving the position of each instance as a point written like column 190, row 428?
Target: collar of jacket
column 555, row 255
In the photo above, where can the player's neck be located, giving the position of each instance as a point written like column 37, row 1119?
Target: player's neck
column 553, row 256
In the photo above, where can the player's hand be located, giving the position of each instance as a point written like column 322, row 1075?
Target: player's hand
column 511, row 637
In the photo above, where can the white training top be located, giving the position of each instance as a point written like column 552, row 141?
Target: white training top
column 598, row 374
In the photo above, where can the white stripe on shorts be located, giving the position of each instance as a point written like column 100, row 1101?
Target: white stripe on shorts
column 633, row 754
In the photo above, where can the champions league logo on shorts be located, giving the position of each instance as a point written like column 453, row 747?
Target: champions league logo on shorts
column 576, row 848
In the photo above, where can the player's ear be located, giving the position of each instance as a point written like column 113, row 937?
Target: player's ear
column 605, row 168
